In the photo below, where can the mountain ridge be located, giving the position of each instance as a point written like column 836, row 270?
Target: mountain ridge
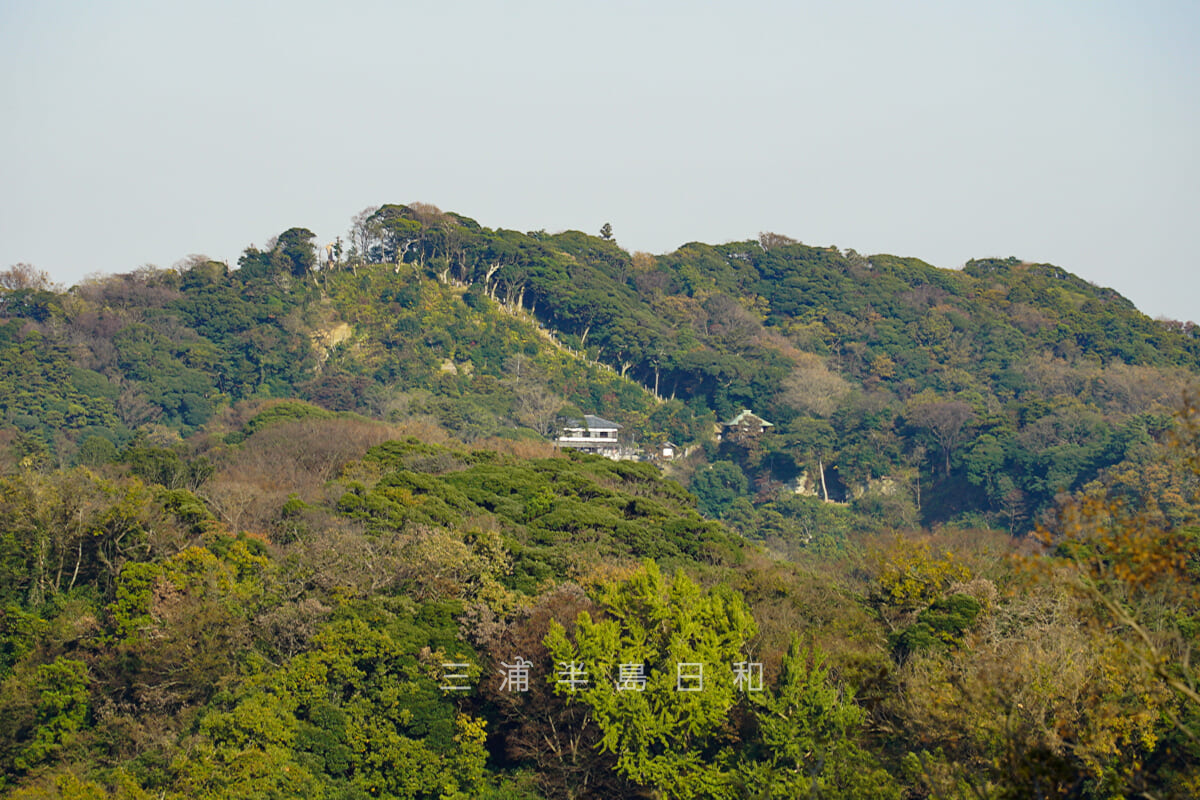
column 1001, row 380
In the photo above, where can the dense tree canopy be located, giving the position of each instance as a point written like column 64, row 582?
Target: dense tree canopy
column 253, row 520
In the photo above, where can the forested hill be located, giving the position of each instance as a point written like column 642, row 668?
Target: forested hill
column 921, row 395
column 297, row 528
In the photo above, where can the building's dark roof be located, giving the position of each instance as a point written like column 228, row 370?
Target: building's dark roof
column 590, row 421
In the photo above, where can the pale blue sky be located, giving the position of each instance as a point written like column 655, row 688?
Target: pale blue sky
column 140, row 132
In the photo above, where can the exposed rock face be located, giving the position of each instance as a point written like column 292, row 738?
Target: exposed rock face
column 884, row 486
column 325, row 339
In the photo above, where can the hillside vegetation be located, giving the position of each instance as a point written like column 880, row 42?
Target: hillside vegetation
column 255, row 521
column 916, row 393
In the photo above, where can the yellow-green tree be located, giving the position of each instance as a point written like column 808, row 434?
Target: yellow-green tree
column 656, row 671
column 808, row 738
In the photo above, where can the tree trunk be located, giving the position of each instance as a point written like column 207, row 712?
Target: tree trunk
column 824, row 488
column 78, row 561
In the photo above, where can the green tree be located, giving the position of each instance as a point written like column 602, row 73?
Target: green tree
column 718, row 486
column 62, row 709
column 808, row 732
column 295, row 251
column 814, row 440
column 660, row 680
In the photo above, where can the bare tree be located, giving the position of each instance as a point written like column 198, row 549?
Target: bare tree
column 730, row 323
column 365, row 232
column 946, row 423
column 24, row 276
column 537, row 407
column 561, row 738
column 769, row 241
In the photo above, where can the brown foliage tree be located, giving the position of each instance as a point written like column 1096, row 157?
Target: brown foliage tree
column 24, row 276
column 539, row 727
column 812, row 388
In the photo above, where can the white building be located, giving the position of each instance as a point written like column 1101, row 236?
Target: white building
column 592, row 434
